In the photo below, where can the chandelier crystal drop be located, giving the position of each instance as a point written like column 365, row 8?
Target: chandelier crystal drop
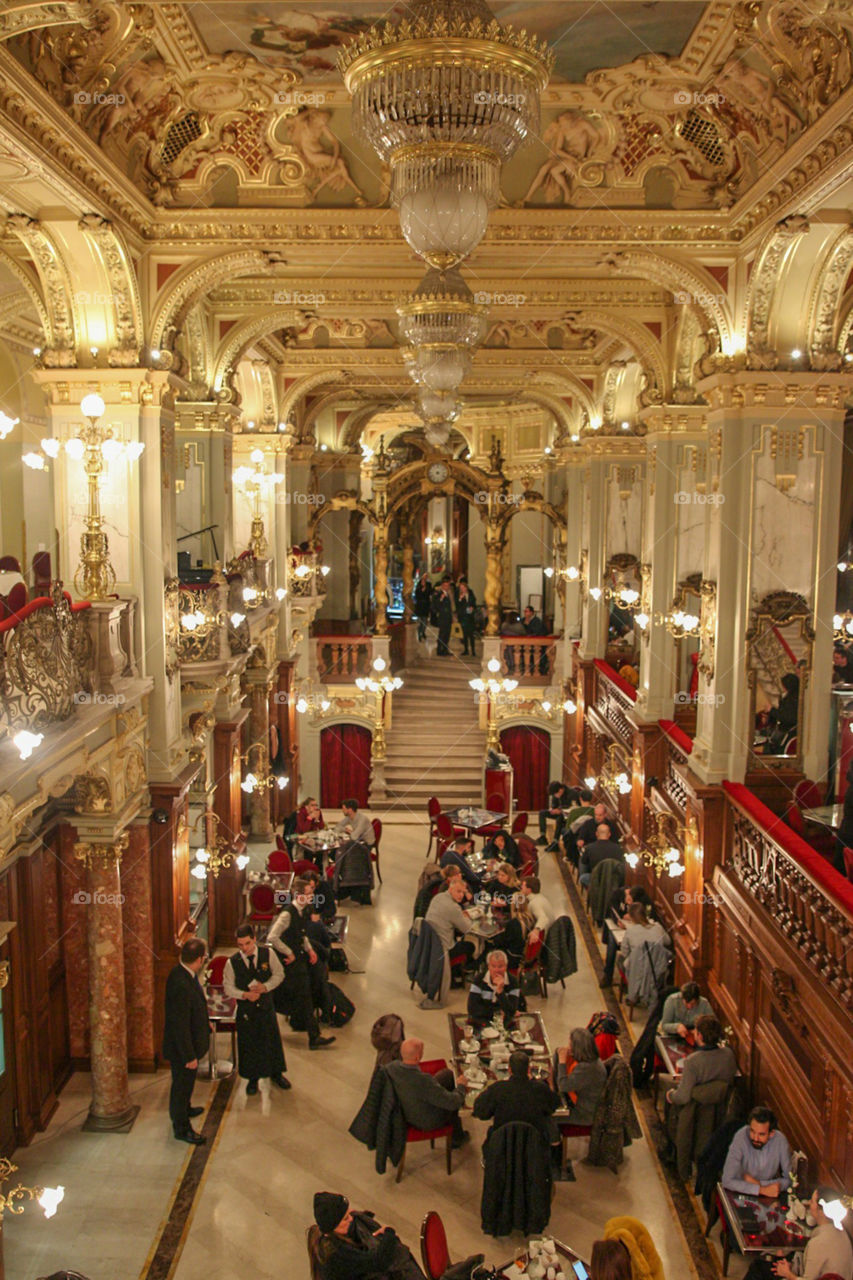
column 441, row 310
column 445, row 98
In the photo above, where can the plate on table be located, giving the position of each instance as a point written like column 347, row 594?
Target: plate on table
column 474, row 1075
column 469, row 1046
column 524, row 1022
column 489, row 1033
column 521, row 1037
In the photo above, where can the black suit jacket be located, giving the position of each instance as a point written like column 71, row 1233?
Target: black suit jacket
column 187, row 1031
column 510, row 1101
column 598, row 851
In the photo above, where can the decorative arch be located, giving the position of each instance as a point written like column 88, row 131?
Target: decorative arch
column 243, row 335
column 124, row 290
column 645, row 345
column 56, row 287
column 24, row 278
column 346, row 500
column 531, row 501
column 826, row 314
column 190, row 283
column 769, row 265
column 699, row 289
column 304, row 386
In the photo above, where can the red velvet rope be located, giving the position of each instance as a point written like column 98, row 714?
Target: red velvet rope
column 40, row 602
column 678, row 736
column 615, row 678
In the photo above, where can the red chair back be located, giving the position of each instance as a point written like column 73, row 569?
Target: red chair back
column 495, row 803
column 377, row 830
column 302, row 865
column 808, row 794
column 532, row 948
column 434, row 1251
column 794, row 819
column 261, row 902
column 444, row 827
column 519, row 825
column 281, row 843
column 8, row 564
column 848, row 863
column 216, row 970
column 17, row 597
column 433, row 808
column 792, row 747
column 41, row 572
column 279, row 860
column 432, row 1066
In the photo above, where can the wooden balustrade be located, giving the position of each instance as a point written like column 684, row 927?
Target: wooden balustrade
column 342, row 657
column 614, row 698
column 529, row 659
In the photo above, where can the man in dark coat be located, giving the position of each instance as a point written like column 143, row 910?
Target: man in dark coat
column 466, row 606
column 599, row 850
column 299, row 994
column 427, row 1101
column 250, row 976
column 444, row 618
column 559, row 798
column 186, row 1036
column 576, row 836
column 520, row 1099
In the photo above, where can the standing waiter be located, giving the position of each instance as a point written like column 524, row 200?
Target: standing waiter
column 185, row 1037
column 288, row 936
column 249, row 977
column 444, row 617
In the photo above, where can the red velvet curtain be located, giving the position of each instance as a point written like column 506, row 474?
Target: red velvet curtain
column 344, row 765
column 529, row 752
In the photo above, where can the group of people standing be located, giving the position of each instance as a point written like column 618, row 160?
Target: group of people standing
column 440, row 604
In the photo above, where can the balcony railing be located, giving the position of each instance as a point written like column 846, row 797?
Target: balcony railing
column 342, row 657
column 45, row 662
column 808, row 901
column 529, row 659
column 305, row 575
column 614, row 698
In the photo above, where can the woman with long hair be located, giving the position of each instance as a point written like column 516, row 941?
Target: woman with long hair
column 513, row 939
column 580, row 1075
column 610, row 1261
column 503, row 847
column 641, row 929
column 504, row 884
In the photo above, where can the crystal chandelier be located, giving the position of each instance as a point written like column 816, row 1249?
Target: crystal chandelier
column 443, row 325
column 445, row 99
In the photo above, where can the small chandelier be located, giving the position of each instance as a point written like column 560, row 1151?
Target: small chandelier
column 661, row 854
column 679, row 623
column 266, row 777
column 842, row 627
column 443, row 326
column 445, row 99
column 216, row 854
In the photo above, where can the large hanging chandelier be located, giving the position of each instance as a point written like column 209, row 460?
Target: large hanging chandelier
column 443, row 325
column 445, row 98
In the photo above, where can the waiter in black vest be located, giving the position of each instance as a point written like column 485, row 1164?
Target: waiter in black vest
column 186, row 1036
column 289, row 938
column 250, row 976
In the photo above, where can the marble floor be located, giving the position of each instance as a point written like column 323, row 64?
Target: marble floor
column 272, row 1152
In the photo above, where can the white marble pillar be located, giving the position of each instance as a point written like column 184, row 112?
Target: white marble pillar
column 594, row 612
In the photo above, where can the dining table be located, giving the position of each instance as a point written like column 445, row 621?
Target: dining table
column 221, row 1014
column 471, row 817
column 548, row 1253
column 759, row 1225
column 825, row 815
column 481, row 1053
column 322, row 844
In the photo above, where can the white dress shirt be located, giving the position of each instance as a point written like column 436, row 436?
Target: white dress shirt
column 276, row 975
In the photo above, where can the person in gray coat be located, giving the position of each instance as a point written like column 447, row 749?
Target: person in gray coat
column 581, row 1075
column 427, row 1101
column 711, row 1061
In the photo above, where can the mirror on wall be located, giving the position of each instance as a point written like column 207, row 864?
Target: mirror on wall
column 779, row 658
column 686, row 605
column 623, row 592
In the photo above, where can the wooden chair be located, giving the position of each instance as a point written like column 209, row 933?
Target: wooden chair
column 374, row 852
column 445, row 833
column 431, row 1067
column 435, row 1254
column 519, row 824
column 570, row 1131
column 279, row 860
column 261, row 904
column 495, row 804
column 433, row 810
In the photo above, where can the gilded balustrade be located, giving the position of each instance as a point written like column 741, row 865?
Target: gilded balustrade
column 45, row 662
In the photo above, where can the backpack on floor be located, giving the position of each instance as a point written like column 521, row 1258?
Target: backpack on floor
column 342, row 1007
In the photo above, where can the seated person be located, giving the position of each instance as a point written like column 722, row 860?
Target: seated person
column 309, row 817
column 433, row 885
column 842, row 665
column 493, row 992
column 427, row 1101
column 355, row 825
column 581, row 1075
column 446, row 916
column 323, row 901
column 560, row 796
column 581, row 808
column 345, row 1245
column 641, row 930
column 782, row 719
column 759, row 1158
column 621, row 900
column 584, row 832
column 829, row 1251
column 599, row 850
column 503, row 847
column 682, row 1010
column 503, row 885
column 519, row 1099
column 456, row 855
column 711, row 1061
column 540, row 907
column 513, row 937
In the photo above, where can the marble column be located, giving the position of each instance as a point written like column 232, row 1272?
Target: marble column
column 380, row 579
column 111, row 1110
column 594, row 618
column 572, row 614
column 493, row 588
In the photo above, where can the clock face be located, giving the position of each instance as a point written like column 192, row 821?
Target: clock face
column 438, row 472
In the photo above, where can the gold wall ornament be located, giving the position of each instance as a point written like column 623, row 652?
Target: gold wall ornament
column 102, row 855
column 47, row 1197
column 707, row 629
column 215, row 854
column 92, row 794
column 5, row 973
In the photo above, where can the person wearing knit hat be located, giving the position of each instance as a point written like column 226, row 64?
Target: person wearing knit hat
column 348, row 1245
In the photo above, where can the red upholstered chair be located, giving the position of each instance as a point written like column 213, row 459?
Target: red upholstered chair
column 434, row 1252
column 792, row 747
column 281, row 843
column 495, row 804
column 17, row 597
column 808, row 795
column 214, row 979
column 216, row 970
column 848, row 863
column 433, row 810
column 532, row 963
column 41, row 573
column 304, row 864
column 606, row 1044
column 431, row 1067
column 528, row 855
column 376, row 823
column 279, row 860
column 570, row 1131
column 8, row 564
column 519, row 825
column 794, row 819
column 445, row 833
column 261, row 903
